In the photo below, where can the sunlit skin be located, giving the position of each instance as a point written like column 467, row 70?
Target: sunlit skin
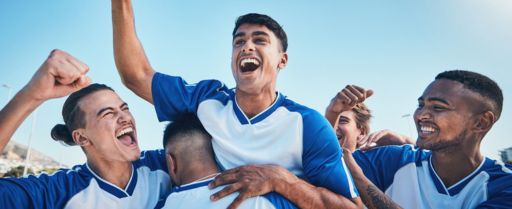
column 256, row 90
column 447, row 109
column 106, row 115
column 347, row 132
column 451, row 121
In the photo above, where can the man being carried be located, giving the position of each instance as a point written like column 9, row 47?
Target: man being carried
column 251, row 124
column 191, row 164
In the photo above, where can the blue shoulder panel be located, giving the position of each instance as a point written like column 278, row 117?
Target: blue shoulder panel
column 172, row 95
column 499, row 187
column 153, row 159
column 322, row 157
column 42, row 191
column 380, row 164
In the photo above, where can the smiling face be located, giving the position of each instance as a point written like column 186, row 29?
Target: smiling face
column 446, row 115
column 109, row 128
column 347, row 132
column 256, row 58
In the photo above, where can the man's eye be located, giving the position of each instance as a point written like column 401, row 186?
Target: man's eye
column 259, row 40
column 239, row 42
column 343, row 121
column 439, row 108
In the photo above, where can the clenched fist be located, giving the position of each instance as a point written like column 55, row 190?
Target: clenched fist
column 60, row 75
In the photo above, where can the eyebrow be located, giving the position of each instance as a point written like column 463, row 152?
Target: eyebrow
column 255, row 33
column 101, row 111
column 343, row 117
column 435, row 99
column 239, row 35
column 259, row 33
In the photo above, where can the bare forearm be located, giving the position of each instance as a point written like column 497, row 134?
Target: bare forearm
column 14, row 113
column 305, row 195
column 332, row 117
column 131, row 61
column 372, row 196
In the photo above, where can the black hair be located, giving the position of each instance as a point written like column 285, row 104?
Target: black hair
column 265, row 20
column 478, row 83
column 73, row 116
column 186, row 124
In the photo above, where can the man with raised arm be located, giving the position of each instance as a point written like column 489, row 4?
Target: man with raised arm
column 252, row 123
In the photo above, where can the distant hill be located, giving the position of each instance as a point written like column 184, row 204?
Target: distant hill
column 15, row 152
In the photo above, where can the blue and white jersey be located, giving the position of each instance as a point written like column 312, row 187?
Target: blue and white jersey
column 286, row 133
column 406, row 175
column 197, row 195
column 80, row 187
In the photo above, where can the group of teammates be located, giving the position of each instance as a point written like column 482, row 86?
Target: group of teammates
column 269, row 148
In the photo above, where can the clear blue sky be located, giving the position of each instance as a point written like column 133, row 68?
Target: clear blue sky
column 395, row 49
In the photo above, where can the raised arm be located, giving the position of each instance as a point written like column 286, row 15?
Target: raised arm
column 60, row 75
column 131, row 61
column 345, row 100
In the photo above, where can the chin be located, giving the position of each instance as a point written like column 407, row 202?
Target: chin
column 135, row 155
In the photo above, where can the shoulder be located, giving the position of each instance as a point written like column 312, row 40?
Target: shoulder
column 500, row 178
column 160, row 79
column 401, row 154
column 153, row 159
column 44, row 190
column 499, row 186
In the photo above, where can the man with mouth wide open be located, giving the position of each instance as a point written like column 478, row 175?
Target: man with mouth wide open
column 252, row 123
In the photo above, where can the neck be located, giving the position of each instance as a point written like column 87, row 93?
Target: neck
column 253, row 104
column 117, row 173
column 454, row 165
column 200, row 172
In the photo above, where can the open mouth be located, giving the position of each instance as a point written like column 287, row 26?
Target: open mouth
column 249, row 65
column 126, row 137
column 426, row 130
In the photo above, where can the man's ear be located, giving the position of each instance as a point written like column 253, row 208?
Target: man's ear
column 283, row 62
column 484, row 122
column 172, row 166
column 79, row 137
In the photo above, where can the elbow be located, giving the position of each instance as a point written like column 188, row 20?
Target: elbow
column 135, row 78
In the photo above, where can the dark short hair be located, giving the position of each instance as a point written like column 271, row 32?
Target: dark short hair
column 265, row 20
column 73, row 116
column 185, row 125
column 478, row 83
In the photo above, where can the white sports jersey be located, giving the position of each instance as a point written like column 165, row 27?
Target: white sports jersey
column 197, row 195
column 407, row 176
column 80, row 187
column 286, row 133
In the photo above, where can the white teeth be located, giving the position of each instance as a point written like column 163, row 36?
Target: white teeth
column 125, row 131
column 427, row 129
column 249, row 60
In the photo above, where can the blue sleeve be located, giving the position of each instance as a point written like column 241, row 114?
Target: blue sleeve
column 43, row 191
column 173, row 96
column 499, row 193
column 322, row 157
column 154, row 159
column 380, row 164
column 279, row 201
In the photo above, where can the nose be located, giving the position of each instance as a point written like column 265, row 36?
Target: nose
column 422, row 114
column 124, row 118
column 248, row 47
